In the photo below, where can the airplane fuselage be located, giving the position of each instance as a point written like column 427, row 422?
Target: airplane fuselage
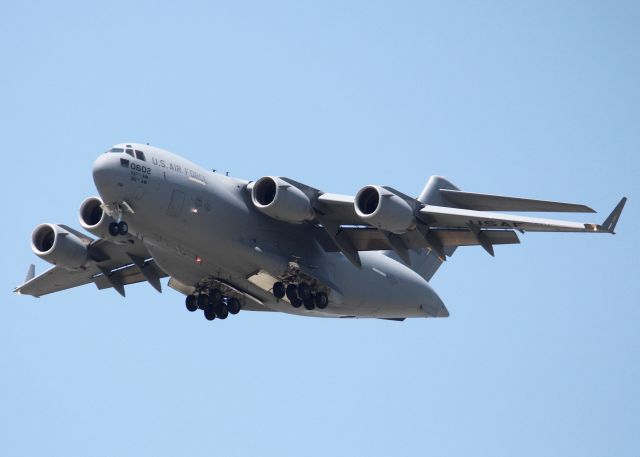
column 197, row 223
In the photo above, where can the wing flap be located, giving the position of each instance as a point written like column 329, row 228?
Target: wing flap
column 449, row 238
column 128, row 274
column 365, row 238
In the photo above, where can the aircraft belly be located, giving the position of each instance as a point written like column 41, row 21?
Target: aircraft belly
column 382, row 288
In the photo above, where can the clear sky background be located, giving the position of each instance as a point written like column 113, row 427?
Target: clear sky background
column 541, row 354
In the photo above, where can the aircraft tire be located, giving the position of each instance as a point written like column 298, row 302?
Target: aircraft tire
column 123, row 228
column 233, row 305
column 279, row 290
column 190, row 302
column 292, row 292
column 296, row 302
column 222, row 312
column 209, row 314
column 113, row 229
column 215, row 297
column 203, row 301
column 304, row 290
column 321, row 300
column 309, row 303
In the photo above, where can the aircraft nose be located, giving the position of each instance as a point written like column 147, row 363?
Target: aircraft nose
column 105, row 171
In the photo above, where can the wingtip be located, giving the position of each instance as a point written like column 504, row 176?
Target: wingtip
column 611, row 221
column 31, row 273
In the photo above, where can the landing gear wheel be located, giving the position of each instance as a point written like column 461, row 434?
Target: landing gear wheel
column 308, row 303
column 292, row 292
column 209, row 314
column 190, row 302
column 296, row 302
column 321, row 300
column 233, row 305
column 113, row 229
column 215, row 298
column 279, row 290
column 222, row 312
column 203, row 301
column 304, row 290
column 123, row 228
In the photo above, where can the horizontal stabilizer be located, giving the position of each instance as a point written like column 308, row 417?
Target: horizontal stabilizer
column 487, row 202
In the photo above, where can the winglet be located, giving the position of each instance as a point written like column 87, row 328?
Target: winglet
column 31, row 273
column 610, row 222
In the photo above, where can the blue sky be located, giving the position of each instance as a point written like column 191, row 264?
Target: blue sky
column 541, row 354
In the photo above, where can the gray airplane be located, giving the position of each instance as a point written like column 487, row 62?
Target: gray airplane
column 275, row 244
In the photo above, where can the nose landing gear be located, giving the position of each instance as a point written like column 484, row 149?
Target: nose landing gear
column 118, row 228
column 117, row 210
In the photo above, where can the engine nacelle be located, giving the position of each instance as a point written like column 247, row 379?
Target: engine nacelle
column 280, row 200
column 382, row 208
column 56, row 245
column 93, row 218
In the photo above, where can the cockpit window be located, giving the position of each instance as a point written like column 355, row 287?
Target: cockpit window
column 116, row 150
column 129, row 151
column 140, row 155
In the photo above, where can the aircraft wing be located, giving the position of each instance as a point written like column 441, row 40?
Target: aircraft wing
column 441, row 216
column 112, row 266
column 456, row 218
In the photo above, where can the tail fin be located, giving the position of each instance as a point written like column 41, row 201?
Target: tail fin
column 424, row 261
column 431, row 194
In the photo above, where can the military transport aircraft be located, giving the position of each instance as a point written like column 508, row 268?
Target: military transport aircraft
column 275, row 244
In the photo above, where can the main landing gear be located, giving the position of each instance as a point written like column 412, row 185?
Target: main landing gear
column 118, row 228
column 301, row 294
column 213, row 303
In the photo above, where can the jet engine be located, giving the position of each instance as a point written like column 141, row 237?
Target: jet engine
column 58, row 246
column 382, row 208
column 281, row 200
column 93, row 218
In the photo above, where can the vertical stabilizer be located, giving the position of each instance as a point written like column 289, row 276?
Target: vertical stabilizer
column 431, row 193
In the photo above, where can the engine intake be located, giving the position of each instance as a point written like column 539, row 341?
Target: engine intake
column 280, row 200
column 384, row 209
column 93, row 218
column 58, row 246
